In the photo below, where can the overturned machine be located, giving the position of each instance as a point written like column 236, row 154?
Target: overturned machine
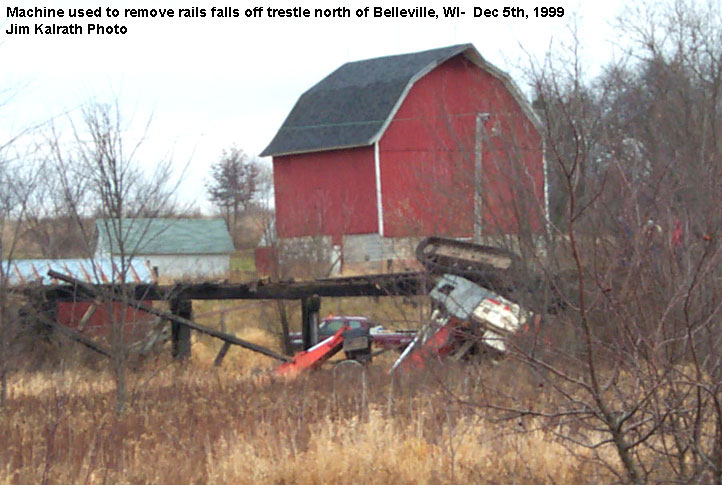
column 466, row 320
column 469, row 317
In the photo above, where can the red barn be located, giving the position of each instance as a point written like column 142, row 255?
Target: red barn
column 387, row 150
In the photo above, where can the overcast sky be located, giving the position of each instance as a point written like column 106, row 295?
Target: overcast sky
column 210, row 83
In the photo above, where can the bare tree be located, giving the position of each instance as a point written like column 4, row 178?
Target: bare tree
column 630, row 360
column 49, row 227
column 122, row 195
column 233, row 185
column 18, row 181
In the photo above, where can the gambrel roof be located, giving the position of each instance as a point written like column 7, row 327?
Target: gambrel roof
column 353, row 105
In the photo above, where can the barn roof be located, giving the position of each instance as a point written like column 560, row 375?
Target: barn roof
column 164, row 236
column 353, row 105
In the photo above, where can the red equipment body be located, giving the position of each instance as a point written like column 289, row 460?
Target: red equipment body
column 438, row 345
column 315, row 356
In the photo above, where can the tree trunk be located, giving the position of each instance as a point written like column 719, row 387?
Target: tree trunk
column 283, row 316
column 3, row 358
column 120, row 384
column 117, row 358
column 234, row 229
column 4, row 346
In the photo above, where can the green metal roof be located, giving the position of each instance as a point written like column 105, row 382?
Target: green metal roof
column 164, row 236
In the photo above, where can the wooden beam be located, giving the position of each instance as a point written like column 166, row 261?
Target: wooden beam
column 89, row 314
column 310, row 308
column 73, row 335
column 221, row 353
column 370, row 285
column 181, row 334
column 96, row 291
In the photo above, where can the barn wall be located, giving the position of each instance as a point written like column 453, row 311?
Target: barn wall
column 266, row 258
column 326, row 193
column 358, row 253
column 372, row 247
column 136, row 322
column 427, row 157
column 302, row 257
column 189, row 266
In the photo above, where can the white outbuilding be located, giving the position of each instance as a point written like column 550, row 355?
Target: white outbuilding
column 173, row 248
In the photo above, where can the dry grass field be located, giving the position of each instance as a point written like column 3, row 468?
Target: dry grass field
column 239, row 424
column 194, row 423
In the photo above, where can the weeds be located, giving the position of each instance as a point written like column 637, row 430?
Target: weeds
column 239, row 424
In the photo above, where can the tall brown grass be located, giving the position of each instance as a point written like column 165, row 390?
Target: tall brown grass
column 196, row 423
column 239, row 424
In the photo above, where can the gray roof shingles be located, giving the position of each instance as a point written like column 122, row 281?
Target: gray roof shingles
column 350, row 106
column 167, row 236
